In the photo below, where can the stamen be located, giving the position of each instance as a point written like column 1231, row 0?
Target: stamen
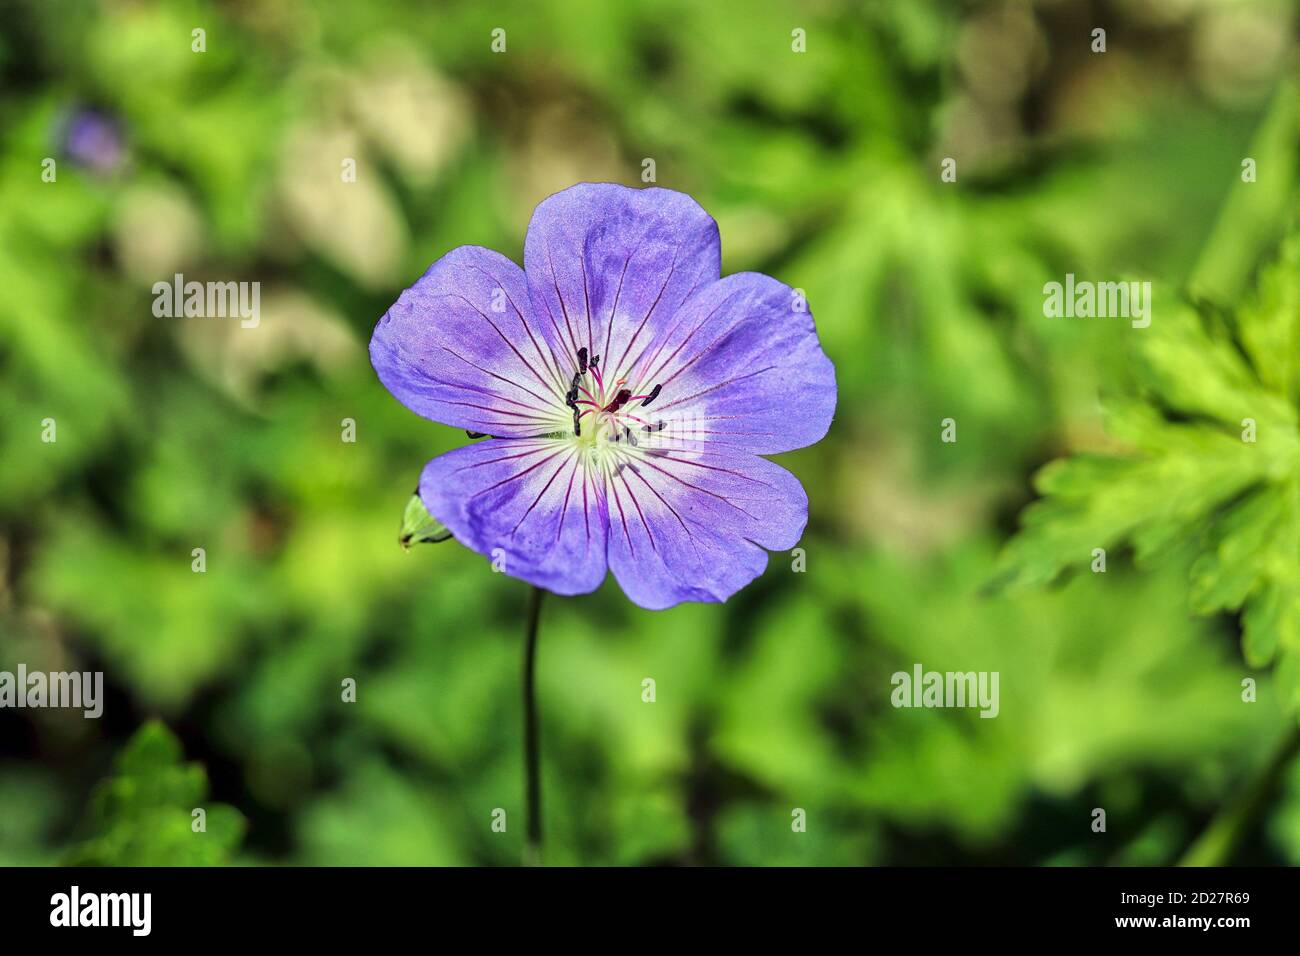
column 635, row 418
column 571, row 397
column 610, row 412
column 620, row 400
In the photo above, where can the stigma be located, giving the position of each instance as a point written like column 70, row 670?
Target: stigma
column 605, row 406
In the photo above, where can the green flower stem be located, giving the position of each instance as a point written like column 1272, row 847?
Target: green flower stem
column 1216, row 845
column 532, row 756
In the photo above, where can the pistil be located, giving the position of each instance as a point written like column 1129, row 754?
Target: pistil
column 603, row 409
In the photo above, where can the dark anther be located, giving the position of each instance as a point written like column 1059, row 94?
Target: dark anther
column 619, row 400
column 582, row 360
column 594, row 360
column 631, row 439
column 571, row 399
column 654, row 393
column 656, row 427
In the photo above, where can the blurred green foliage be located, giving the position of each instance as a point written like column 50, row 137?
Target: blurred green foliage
column 1120, row 690
column 151, row 812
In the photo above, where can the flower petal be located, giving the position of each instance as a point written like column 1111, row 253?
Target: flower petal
column 740, row 366
column 692, row 525
column 532, row 499
column 608, row 266
column 461, row 347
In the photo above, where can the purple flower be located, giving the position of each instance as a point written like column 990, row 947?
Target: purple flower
column 630, row 391
column 93, row 140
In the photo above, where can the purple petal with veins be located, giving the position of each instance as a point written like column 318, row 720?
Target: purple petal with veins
column 532, row 499
column 630, row 391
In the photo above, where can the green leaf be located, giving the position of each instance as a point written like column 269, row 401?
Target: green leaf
column 420, row 527
column 144, row 814
column 1255, row 214
column 1207, row 462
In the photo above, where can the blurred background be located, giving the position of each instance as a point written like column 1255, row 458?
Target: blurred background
column 822, row 169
